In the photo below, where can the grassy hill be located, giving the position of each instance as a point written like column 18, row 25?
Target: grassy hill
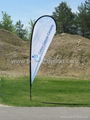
column 68, row 55
column 13, row 54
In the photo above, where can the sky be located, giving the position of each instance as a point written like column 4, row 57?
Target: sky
column 25, row 10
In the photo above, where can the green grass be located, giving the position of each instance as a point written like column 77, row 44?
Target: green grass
column 45, row 92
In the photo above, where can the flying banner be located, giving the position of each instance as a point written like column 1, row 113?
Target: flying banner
column 42, row 35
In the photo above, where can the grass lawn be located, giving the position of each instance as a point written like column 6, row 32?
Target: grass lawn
column 45, row 92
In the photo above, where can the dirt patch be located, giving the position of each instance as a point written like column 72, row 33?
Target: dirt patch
column 68, row 55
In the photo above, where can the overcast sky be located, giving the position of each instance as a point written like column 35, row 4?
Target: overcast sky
column 32, row 9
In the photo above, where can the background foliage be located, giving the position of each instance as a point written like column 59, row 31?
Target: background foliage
column 67, row 21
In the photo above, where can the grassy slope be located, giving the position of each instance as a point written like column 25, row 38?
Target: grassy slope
column 68, row 55
column 66, row 92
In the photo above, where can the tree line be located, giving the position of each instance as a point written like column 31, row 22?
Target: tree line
column 73, row 23
column 67, row 21
column 18, row 28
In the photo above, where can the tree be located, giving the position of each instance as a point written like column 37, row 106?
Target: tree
column 20, row 31
column 64, row 18
column 31, row 25
column 84, row 18
column 87, row 4
column 0, row 25
column 6, row 22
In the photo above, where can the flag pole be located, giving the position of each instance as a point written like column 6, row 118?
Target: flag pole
column 30, row 72
column 31, row 61
column 30, row 64
column 30, row 68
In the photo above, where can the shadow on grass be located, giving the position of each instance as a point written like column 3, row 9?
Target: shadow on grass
column 66, row 104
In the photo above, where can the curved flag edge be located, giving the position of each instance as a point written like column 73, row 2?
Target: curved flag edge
column 31, row 49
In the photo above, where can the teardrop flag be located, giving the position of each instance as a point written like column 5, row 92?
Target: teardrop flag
column 43, row 32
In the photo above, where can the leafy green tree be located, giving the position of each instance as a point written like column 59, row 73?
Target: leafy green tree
column 0, row 25
column 7, row 22
column 20, row 31
column 84, row 18
column 64, row 18
column 87, row 4
column 31, row 25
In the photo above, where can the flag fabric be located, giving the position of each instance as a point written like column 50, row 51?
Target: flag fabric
column 42, row 35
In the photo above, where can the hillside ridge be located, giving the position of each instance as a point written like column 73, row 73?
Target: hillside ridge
column 68, row 55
